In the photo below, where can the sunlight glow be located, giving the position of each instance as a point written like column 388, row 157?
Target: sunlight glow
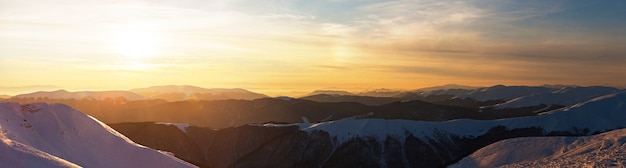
column 135, row 44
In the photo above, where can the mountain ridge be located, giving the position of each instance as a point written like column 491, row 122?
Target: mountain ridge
column 383, row 142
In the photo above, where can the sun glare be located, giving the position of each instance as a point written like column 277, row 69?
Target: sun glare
column 135, row 44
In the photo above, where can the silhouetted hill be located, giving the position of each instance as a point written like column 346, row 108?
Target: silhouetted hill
column 379, row 142
column 97, row 95
column 381, row 93
column 448, row 99
column 230, row 113
column 367, row 100
column 447, row 87
column 329, row 92
column 186, row 92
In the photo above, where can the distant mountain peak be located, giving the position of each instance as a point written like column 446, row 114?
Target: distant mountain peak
column 188, row 92
column 330, row 92
column 56, row 91
column 448, row 86
column 97, row 95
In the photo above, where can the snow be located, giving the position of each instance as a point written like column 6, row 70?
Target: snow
column 600, row 114
column 328, row 118
column 498, row 92
column 603, row 150
column 566, row 96
column 525, row 96
column 380, row 128
column 19, row 155
column 180, row 126
column 52, row 131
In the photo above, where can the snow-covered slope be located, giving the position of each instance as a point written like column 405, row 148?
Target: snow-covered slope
column 437, row 143
column 498, row 92
column 58, row 134
column 603, row 150
column 565, row 96
column 597, row 115
column 505, row 92
column 98, row 95
column 17, row 154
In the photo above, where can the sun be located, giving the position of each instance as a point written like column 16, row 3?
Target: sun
column 135, row 44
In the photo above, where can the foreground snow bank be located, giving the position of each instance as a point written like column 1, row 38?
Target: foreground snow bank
column 55, row 135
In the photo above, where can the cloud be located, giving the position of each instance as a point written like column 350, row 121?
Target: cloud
column 434, row 39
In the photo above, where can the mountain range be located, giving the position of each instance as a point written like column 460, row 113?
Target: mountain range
column 374, row 142
column 434, row 105
column 186, row 92
column 436, row 127
column 167, row 93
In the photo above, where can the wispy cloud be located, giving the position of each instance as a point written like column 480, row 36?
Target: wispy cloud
column 352, row 42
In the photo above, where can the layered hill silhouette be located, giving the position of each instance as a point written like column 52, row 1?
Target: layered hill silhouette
column 378, row 142
column 186, row 92
column 422, row 106
column 167, row 93
column 96, row 95
column 431, row 127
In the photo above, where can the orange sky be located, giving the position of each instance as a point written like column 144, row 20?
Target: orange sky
column 282, row 46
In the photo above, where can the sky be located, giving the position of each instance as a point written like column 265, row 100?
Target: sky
column 302, row 45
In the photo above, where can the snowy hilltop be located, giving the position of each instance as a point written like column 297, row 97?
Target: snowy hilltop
column 55, row 135
column 603, row 150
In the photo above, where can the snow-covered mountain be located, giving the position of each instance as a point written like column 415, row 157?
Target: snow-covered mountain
column 565, row 96
column 597, row 115
column 447, row 87
column 56, row 135
column 498, row 92
column 602, row 150
column 527, row 96
column 379, row 142
column 17, row 154
column 97, row 95
column 186, row 92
